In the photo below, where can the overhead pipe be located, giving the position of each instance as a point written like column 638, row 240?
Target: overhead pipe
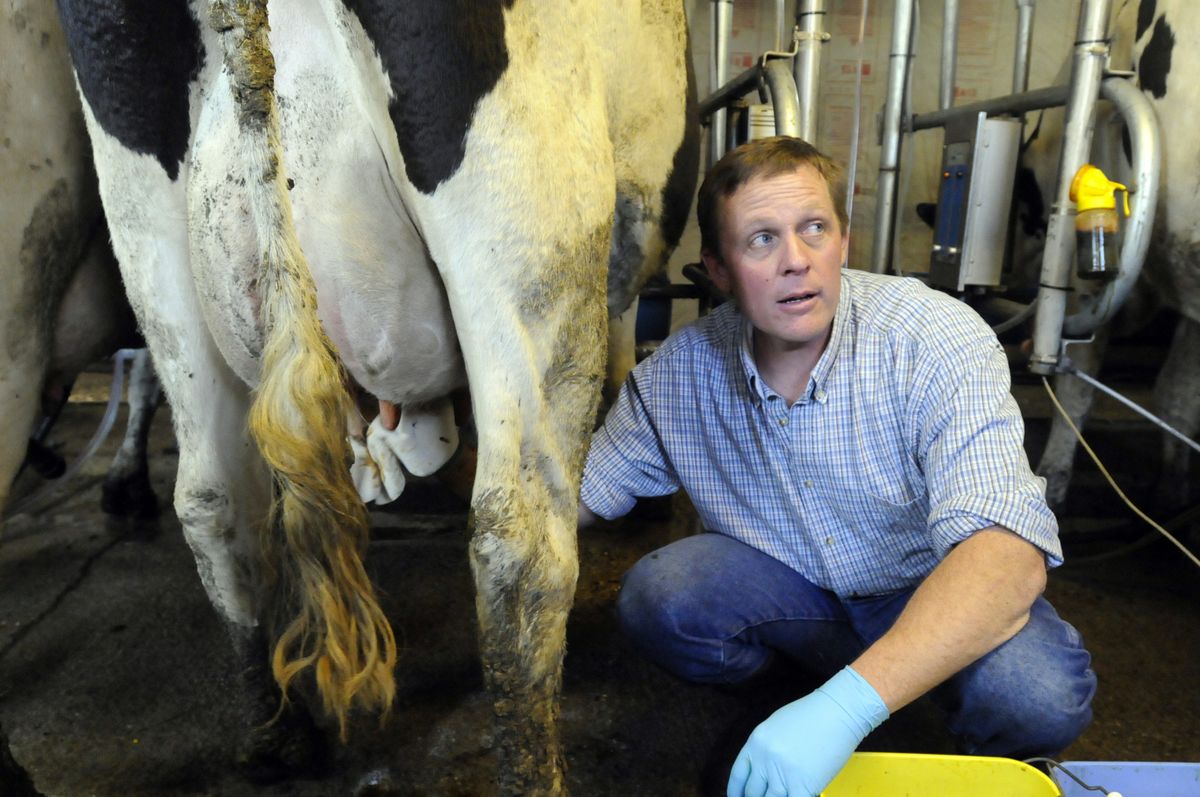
column 1024, row 45
column 810, row 35
column 781, row 27
column 889, row 156
column 1087, row 68
column 949, row 53
column 722, row 22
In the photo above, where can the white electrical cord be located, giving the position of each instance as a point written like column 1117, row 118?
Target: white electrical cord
column 1103, row 470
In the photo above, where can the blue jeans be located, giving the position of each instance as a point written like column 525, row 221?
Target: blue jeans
column 713, row 610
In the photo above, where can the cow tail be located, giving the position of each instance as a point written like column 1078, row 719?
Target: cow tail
column 318, row 530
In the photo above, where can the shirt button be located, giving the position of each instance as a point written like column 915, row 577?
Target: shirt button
column 829, row 540
column 808, row 482
column 783, row 421
column 820, row 395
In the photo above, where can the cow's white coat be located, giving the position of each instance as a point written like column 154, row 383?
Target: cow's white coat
column 505, row 262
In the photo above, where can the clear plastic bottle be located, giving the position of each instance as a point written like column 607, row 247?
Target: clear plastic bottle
column 1097, row 222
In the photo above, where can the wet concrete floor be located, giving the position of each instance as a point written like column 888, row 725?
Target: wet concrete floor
column 115, row 674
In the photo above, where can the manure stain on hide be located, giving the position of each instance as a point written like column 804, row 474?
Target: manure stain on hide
column 681, row 183
column 51, row 245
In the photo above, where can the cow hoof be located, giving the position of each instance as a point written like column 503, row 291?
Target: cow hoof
column 289, row 747
column 46, row 462
column 381, row 783
column 129, row 497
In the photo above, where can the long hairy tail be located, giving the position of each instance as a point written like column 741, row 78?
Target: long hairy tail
column 318, row 529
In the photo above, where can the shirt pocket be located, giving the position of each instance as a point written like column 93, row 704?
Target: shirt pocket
column 888, row 474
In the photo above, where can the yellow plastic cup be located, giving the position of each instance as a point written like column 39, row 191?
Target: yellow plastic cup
column 918, row 775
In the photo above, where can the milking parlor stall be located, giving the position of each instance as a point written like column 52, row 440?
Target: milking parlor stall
column 1037, row 161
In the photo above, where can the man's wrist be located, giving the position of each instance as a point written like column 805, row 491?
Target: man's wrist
column 854, row 694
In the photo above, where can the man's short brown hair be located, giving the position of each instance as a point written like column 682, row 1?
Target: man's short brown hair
column 763, row 157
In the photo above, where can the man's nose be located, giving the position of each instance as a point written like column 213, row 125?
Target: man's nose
column 796, row 254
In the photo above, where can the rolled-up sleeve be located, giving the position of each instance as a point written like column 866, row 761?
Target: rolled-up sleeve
column 627, row 460
column 972, row 452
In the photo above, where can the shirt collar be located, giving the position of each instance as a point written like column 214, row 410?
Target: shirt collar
column 820, row 375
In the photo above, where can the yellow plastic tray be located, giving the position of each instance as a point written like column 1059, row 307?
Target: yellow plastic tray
column 915, row 775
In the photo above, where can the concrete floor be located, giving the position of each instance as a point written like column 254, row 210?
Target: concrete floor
column 115, row 673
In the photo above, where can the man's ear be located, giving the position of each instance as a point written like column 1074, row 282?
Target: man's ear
column 845, row 249
column 718, row 272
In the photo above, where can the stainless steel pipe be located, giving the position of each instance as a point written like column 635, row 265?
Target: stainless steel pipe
column 949, row 53
column 1087, row 68
column 889, row 155
column 722, row 22
column 810, row 35
column 1024, row 45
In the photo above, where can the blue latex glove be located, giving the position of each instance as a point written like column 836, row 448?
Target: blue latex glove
column 797, row 750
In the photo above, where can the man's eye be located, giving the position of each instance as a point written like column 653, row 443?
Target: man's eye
column 760, row 239
column 815, row 228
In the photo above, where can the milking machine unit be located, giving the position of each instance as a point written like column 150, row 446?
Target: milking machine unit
column 979, row 161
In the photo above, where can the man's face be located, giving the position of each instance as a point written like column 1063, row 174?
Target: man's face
column 782, row 250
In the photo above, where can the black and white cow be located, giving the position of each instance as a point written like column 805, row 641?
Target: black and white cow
column 406, row 196
column 1160, row 40
column 62, row 305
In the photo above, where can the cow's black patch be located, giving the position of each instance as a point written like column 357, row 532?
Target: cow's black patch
column 681, row 183
column 1145, row 16
column 135, row 59
column 1155, row 63
column 441, row 56
column 1030, row 203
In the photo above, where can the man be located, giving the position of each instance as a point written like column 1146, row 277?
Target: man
column 852, row 448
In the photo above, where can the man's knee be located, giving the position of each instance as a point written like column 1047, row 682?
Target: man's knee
column 1030, row 696
column 1042, row 716
column 669, row 624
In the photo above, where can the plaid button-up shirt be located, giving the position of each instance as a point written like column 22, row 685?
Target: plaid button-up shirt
column 905, row 442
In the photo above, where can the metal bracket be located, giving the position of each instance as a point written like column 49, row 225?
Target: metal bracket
column 799, row 35
column 775, row 55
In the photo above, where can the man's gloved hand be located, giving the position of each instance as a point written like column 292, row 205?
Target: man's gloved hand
column 799, row 749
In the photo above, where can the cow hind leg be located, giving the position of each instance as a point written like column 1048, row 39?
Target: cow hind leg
column 126, row 491
column 537, row 357
column 1176, row 393
column 222, row 498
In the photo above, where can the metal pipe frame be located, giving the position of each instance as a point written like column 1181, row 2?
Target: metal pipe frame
column 949, row 53
column 1052, row 97
column 1024, row 45
column 783, row 98
column 731, row 91
column 889, row 156
column 1091, row 56
column 722, row 22
column 1139, row 118
column 810, row 34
